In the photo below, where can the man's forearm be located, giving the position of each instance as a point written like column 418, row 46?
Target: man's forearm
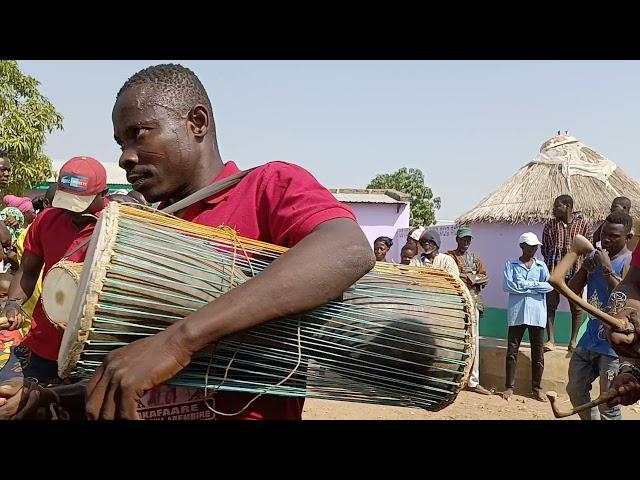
column 72, row 398
column 579, row 280
column 22, row 286
column 612, row 281
column 299, row 280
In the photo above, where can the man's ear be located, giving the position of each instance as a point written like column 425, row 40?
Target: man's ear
column 199, row 120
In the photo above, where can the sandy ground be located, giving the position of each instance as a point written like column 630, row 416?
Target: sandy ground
column 467, row 406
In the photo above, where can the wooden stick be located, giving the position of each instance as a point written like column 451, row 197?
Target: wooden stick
column 603, row 398
column 582, row 246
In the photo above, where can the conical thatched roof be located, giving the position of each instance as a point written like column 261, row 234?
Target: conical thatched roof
column 563, row 166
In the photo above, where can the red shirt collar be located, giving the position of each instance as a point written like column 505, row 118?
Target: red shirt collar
column 230, row 168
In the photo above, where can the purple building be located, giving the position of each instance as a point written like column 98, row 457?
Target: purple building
column 379, row 213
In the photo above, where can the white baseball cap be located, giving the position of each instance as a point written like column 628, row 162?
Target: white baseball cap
column 529, row 238
column 417, row 233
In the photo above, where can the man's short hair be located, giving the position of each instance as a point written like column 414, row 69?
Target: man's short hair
column 409, row 246
column 173, row 86
column 620, row 217
column 565, row 200
column 624, row 201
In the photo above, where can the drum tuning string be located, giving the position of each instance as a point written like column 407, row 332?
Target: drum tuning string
column 237, row 242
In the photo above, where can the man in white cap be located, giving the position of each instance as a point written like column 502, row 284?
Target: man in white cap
column 526, row 281
column 413, row 238
column 55, row 233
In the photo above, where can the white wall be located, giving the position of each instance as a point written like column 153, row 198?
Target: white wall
column 496, row 243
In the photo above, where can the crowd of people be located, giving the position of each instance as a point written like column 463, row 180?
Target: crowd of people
column 163, row 122
column 532, row 302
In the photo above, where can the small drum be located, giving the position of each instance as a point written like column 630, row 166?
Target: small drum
column 58, row 291
column 399, row 336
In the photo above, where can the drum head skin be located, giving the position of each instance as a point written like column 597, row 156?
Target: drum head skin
column 59, row 289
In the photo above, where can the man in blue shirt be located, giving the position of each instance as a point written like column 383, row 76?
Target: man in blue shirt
column 526, row 282
column 593, row 357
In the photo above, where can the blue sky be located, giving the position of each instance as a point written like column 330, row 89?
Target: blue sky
column 469, row 125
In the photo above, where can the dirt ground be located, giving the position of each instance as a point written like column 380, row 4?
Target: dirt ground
column 467, row 406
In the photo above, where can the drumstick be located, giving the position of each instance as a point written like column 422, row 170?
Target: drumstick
column 603, row 398
column 582, row 246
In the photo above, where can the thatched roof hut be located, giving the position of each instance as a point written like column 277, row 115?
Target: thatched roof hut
column 524, row 203
column 563, row 166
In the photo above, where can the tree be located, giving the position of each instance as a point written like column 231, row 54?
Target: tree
column 26, row 117
column 411, row 182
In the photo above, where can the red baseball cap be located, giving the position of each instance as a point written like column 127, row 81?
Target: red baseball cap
column 79, row 181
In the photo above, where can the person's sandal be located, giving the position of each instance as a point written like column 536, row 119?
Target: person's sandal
column 539, row 396
column 548, row 347
column 480, row 389
column 507, row 394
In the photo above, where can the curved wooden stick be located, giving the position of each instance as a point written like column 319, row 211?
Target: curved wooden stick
column 582, row 246
column 603, row 398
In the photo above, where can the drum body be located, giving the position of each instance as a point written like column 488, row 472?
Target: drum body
column 398, row 336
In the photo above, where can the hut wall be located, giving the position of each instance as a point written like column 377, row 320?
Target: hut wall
column 496, row 243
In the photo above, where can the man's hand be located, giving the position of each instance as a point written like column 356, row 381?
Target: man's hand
column 11, row 221
column 626, row 344
column 628, row 387
column 10, row 394
column 602, row 258
column 22, row 399
column 14, row 316
column 590, row 264
column 128, row 372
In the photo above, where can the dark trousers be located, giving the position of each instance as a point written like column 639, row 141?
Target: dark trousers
column 536, row 337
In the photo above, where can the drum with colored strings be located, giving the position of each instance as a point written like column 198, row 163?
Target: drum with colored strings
column 398, row 336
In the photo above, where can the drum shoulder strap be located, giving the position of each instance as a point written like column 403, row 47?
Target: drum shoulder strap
column 188, row 201
column 207, row 191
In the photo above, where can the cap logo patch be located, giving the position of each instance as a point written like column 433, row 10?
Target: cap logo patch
column 74, row 182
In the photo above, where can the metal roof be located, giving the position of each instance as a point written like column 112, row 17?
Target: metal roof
column 361, row 195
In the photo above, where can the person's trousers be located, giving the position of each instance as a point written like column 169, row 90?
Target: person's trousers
column 474, row 377
column 536, row 337
column 584, row 367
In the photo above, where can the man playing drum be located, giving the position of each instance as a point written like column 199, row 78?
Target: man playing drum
column 163, row 122
column 82, row 184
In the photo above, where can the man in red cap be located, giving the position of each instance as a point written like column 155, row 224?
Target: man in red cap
column 82, row 185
